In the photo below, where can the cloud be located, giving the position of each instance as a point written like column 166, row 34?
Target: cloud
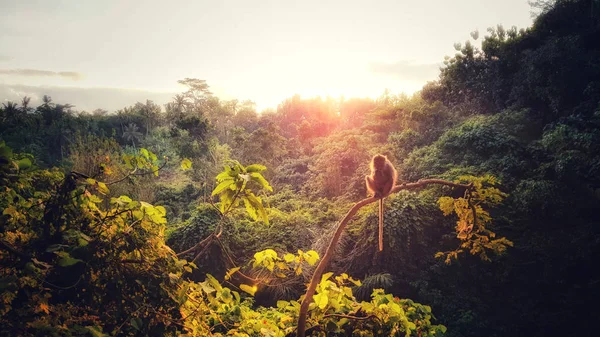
column 36, row 72
column 406, row 70
column 87, row 99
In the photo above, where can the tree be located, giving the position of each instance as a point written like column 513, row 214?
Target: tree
column 131, row 133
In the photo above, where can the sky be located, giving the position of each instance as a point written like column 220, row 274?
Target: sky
column 112, row 53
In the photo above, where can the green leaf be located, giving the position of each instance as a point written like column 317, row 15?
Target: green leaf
column 94, row 198
column 125, row 199
column 206, row 287
column 137, row 323
column 127, row 160
column 256, row 207
column 145, row 153
column 24, row 164
column 250, row 209
column 5, row 151
column 67, row 260
column 96, row 331
column 224, row 176
column 186, row 164
column 257, row 177
column 55, row 248
column 222, row 186
column 102, row 188
column 255, row 168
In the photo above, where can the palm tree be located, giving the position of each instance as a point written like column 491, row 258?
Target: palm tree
column 10, row 107
column 131, row 133
column 9, row 111
column 25, row 104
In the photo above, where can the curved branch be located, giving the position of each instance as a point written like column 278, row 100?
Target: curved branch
column 132, row 173
column 338, row 233
column 196, row 246
column 323, row 263
column 123, row 178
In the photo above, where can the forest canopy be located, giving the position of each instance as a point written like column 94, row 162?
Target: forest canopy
column 204, row 217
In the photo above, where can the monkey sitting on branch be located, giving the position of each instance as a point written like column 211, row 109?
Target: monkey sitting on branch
column 380, row 183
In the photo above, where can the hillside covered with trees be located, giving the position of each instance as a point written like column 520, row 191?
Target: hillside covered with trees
column 204, row 217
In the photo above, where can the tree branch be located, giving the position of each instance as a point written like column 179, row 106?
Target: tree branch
column 338, row 233
column 132, row 173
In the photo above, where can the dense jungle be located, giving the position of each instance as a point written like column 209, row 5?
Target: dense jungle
column 206, row 217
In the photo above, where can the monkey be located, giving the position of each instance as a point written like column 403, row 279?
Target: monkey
column 380, row 183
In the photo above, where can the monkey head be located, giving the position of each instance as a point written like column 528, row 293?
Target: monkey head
column 379, row 161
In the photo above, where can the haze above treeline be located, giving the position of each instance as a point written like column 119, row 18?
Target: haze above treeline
column 111, row 54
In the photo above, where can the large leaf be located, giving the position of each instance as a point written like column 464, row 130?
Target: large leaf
column 321, row 300
column 250, row 290
column 102, row 188
column 24, row 164
column 256, row 206
column 257, row 177
column 224, row 176
column 255, row 168
column 222, row 186
column 67, row 260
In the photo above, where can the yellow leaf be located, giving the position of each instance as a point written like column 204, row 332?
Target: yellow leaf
column 289, row 257
column 102, row 188
column 230, row 272
column 186, row 164
column 250, row 290
column 321, row 300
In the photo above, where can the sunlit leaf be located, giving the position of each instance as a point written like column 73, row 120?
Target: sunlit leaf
column 222, row 186
column 289, row 257
column 249, row 289
column 311, row 257
column 326, row 276
column 255, row 168
column 102, row 188
column 186, row 164
column 321, row 300
column 230, row 272
column 262, row 181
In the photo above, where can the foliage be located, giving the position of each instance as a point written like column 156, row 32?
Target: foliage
column 334, row 312
column 76, row 262
column 236, row 183
column 471, row 227
column 523, row 107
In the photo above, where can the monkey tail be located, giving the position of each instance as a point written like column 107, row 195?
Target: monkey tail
column 381, row 224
